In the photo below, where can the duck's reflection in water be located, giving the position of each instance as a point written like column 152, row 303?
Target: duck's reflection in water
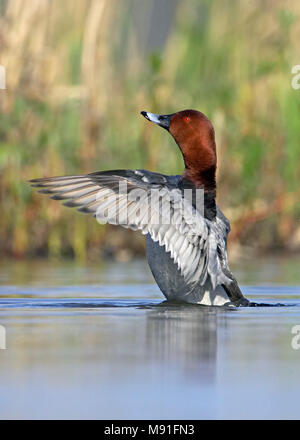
column 185, row 336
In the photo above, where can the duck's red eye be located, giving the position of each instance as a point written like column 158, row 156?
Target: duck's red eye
column 186, row 119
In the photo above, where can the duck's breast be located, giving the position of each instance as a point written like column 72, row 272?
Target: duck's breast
column 172, row 283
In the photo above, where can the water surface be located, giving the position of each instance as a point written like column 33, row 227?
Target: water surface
column 98, row 342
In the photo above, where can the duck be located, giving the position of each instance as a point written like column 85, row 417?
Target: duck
column 186, row 232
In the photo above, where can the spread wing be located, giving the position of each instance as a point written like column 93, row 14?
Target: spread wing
column 152, row 203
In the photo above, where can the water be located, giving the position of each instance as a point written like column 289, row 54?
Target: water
column 97, row 342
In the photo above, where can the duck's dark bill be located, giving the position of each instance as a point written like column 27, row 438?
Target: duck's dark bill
column 161, row 120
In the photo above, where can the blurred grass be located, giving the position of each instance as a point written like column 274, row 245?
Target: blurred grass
column 79, row 72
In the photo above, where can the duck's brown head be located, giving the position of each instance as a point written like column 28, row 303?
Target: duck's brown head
column 194, row 134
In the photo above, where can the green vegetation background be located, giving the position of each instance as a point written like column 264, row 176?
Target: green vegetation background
column 78, row 74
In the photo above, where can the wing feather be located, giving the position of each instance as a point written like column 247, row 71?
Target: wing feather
column 191, row 239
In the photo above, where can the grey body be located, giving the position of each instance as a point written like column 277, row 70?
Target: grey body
column 172, row 283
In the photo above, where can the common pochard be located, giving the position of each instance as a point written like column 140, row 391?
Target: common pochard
column 186, row 241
